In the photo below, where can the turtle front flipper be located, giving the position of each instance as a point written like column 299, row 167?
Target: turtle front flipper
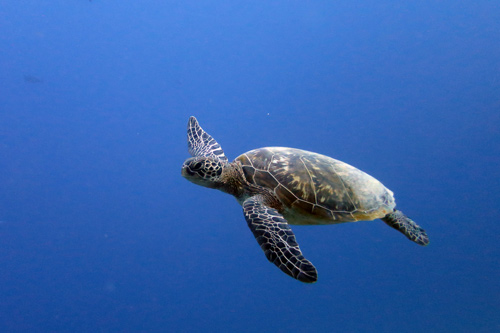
column 406, row 226
column 277, row 240
column 200, row 143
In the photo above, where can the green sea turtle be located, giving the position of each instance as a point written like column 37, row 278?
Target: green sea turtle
column 281, row 186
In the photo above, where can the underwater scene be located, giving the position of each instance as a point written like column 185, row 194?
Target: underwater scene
column 249, row 166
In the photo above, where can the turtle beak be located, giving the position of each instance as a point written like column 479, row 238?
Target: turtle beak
column 185, row 171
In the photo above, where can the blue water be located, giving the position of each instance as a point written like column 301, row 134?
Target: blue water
column 100, row 233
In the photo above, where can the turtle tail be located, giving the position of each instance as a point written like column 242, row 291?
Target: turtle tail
column 406, row 226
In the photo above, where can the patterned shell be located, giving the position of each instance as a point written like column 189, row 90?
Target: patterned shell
column 316, row 189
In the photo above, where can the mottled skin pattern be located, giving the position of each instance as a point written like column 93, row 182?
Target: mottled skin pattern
column 208, row 159
column 407, row 226
column 282, row 186
column 201, row 144
column 272, row 234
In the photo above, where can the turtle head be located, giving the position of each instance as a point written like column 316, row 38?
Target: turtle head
column 204, row 171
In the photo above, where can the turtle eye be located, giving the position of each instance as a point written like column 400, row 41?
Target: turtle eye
column 196, row 166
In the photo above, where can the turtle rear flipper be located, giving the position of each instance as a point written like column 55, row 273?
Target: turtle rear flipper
column 406, row 226
column 277, row 240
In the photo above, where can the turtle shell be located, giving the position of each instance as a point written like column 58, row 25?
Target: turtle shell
column 316, row 189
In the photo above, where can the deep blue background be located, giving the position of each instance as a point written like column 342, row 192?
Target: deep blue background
column 99, row 232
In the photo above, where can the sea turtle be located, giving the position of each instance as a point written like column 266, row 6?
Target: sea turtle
column 280, row 186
